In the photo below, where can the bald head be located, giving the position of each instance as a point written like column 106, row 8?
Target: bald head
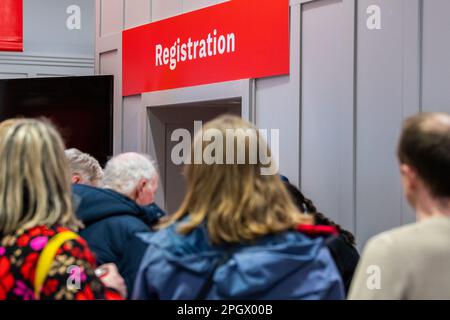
column 425, row 146
column 130, row 174
column 437, row 123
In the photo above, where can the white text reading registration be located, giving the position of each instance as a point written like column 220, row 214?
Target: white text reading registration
column 210, row 46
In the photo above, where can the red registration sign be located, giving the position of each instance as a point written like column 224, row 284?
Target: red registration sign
column 239, row 39
column 11, row 25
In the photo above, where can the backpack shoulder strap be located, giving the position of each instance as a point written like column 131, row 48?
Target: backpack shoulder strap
column 47, row 256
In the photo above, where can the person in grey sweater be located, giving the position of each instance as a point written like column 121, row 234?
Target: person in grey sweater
column 413, row 262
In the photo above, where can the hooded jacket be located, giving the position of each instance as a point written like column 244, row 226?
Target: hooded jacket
column 288, row 266
column 111, row 222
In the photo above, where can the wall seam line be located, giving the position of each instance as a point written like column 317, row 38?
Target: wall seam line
column 355, row 115
column 420, row 62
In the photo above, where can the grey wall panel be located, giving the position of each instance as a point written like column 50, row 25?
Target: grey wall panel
column 50, row 48
column 436, row 56
column 24, row 65
column 45, row 30
column 137, row 12
column 108, row 62
column 132, row 124
column 190, row 5
column 51, row 75
column 411, row 75
column 327, row 166
column 379, row 118
column 162, row 9
column 108, row 56
column 112, row 13
column 12, row 75
column 278, row 106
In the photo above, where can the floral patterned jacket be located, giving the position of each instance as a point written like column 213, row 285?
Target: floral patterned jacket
column 19, row 254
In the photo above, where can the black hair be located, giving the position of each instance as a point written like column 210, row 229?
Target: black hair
column 305, row 205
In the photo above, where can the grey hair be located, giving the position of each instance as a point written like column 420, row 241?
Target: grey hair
column 123, row 172
column 84, row 165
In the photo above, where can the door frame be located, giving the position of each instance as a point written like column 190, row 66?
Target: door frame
column 244, row 90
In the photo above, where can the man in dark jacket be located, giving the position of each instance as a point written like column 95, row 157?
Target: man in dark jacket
column 114, row 215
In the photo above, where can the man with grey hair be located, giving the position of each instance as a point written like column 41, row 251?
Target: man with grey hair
column 133, row 175
column 115, row 214
column 84, row 168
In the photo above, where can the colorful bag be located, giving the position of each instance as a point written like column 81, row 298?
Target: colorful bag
column 47, row 257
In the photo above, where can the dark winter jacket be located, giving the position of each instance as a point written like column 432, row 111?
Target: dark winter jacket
column 344, row 254
column 111, row 222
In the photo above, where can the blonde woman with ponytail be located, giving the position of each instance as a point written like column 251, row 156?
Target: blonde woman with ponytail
column 234, row 236
column 41, row 256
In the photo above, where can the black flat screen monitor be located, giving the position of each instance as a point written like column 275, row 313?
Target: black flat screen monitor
column 80, row 107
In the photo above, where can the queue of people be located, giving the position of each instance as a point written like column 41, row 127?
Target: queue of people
column 71, row 230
